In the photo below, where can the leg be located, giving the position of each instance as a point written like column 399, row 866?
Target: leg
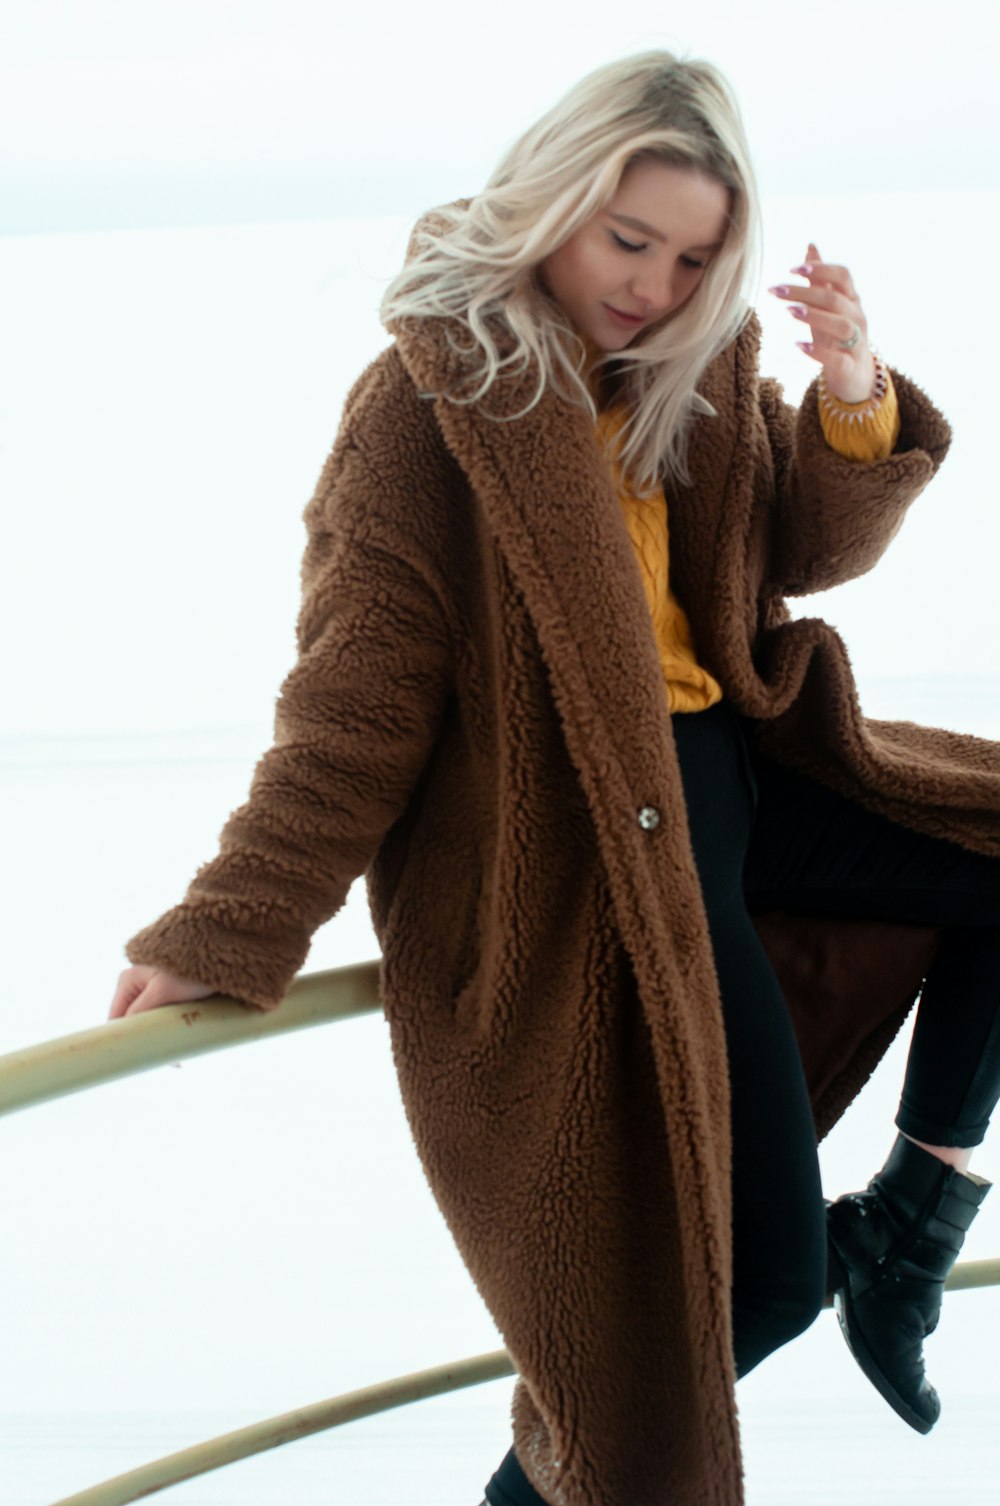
column 898, row 1240
column 952, row 1082
column 779, row 1231
column 951, row 1155
column 892, row 1246
column 779, row 1222
column 779, row 1236
column 510, row 1486
column 814, row 851
column 940, row 1100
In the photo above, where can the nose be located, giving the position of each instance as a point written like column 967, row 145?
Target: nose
column 655, row 290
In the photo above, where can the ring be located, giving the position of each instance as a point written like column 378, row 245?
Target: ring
column 850, row 344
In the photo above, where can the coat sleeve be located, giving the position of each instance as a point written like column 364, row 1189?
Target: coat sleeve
column 832, row 518
column 354, row 724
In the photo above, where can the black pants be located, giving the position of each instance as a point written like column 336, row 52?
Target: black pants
column 819, row 853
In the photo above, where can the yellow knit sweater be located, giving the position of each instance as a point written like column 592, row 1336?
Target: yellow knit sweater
column 854, row 433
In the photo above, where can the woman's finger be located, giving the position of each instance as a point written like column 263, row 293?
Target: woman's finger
column 144, row 1002
column 124, row 994
column 820, row 301
column 830, row 274
column 832, row 327
column 129, row 1001
column 830, row 299
column 143, row 987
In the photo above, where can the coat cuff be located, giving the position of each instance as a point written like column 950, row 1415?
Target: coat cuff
column 203, row 940
column 835, row 518
column 922, row 427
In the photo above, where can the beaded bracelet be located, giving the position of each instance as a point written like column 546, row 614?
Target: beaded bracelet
column 856, row 412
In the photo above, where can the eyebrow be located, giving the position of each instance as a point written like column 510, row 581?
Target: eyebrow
column 627, row 219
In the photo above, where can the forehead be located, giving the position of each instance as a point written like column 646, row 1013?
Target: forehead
column 662, row 201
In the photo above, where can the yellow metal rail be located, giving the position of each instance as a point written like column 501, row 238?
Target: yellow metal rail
column 119, row 1048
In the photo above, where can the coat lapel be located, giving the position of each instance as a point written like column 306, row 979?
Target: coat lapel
column 547, row 495
column 549, row 501
column 709, row 519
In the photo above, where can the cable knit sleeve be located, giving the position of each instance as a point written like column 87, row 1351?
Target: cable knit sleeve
column 862, row 431
column 354, row 724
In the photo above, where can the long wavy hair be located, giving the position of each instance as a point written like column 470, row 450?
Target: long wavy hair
column 476, row 261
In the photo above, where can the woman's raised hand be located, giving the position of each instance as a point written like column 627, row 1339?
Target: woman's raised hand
column 831, row 308
column 142, row 987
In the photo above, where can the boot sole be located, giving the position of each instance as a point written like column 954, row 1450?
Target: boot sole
column 855, row 1342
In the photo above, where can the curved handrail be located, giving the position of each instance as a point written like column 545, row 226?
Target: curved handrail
column 118, row 1048
column 289, row 1426
column 138, row 1042
column 971, row 1274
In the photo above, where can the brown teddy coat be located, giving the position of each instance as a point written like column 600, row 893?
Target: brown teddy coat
column 475, row 720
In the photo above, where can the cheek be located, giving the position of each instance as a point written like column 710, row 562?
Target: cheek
column 580, row 269
column 689, row 285
column 698, row 280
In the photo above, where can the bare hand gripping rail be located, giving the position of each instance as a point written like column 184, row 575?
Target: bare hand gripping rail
column 119, row 1048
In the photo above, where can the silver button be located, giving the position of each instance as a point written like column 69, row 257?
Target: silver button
column 649, row 817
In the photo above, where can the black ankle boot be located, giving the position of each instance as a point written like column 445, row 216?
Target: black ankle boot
column 890, row 1249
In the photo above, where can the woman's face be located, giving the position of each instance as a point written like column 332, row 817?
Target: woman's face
column 684, row 216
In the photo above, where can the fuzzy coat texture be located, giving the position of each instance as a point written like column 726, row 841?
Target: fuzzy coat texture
column 474, row 721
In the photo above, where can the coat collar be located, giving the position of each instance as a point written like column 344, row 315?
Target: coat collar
column 549, row 500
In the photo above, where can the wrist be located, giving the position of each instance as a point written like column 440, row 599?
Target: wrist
column 860, row 409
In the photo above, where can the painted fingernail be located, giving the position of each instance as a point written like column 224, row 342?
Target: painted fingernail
column 805, row 345
column 805, row 270
column 798, row 311
column 782, row 291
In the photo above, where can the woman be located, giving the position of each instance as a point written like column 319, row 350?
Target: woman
column 652, row 904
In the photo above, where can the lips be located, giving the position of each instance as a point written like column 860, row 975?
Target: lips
column 622, row 314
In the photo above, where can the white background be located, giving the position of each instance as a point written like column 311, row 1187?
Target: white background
column 201, row 204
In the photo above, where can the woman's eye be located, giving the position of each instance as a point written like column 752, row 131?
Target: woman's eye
column 689, row 261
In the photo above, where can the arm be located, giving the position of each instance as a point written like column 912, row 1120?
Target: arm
column 354, row 724
column 862, row 431
column 833, row 519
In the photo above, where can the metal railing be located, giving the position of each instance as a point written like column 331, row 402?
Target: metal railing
column 227, row 1448
column 120, row 1048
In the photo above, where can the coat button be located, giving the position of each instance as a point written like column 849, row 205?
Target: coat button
column 649, row 817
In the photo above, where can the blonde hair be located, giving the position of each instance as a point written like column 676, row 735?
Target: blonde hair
column 479, row 263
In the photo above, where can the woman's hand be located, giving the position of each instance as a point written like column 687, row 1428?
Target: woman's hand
column 142, row 987
column 831, row 308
